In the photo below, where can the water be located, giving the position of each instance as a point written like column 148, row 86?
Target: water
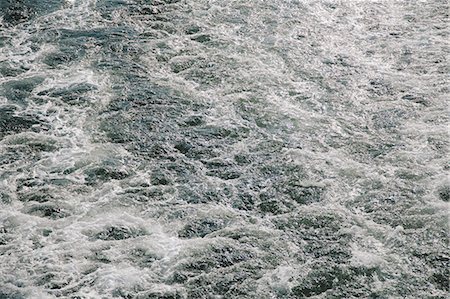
column 223, row 149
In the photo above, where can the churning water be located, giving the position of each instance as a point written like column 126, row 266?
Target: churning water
column 223, row 149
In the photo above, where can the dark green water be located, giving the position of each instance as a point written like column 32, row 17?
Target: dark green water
column 224, row 149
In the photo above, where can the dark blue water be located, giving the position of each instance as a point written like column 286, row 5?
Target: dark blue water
column 223, row 149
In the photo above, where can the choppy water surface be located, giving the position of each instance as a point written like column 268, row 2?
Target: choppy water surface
column 223, row 149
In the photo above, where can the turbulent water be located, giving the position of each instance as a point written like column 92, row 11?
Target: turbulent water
column 224, row 149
